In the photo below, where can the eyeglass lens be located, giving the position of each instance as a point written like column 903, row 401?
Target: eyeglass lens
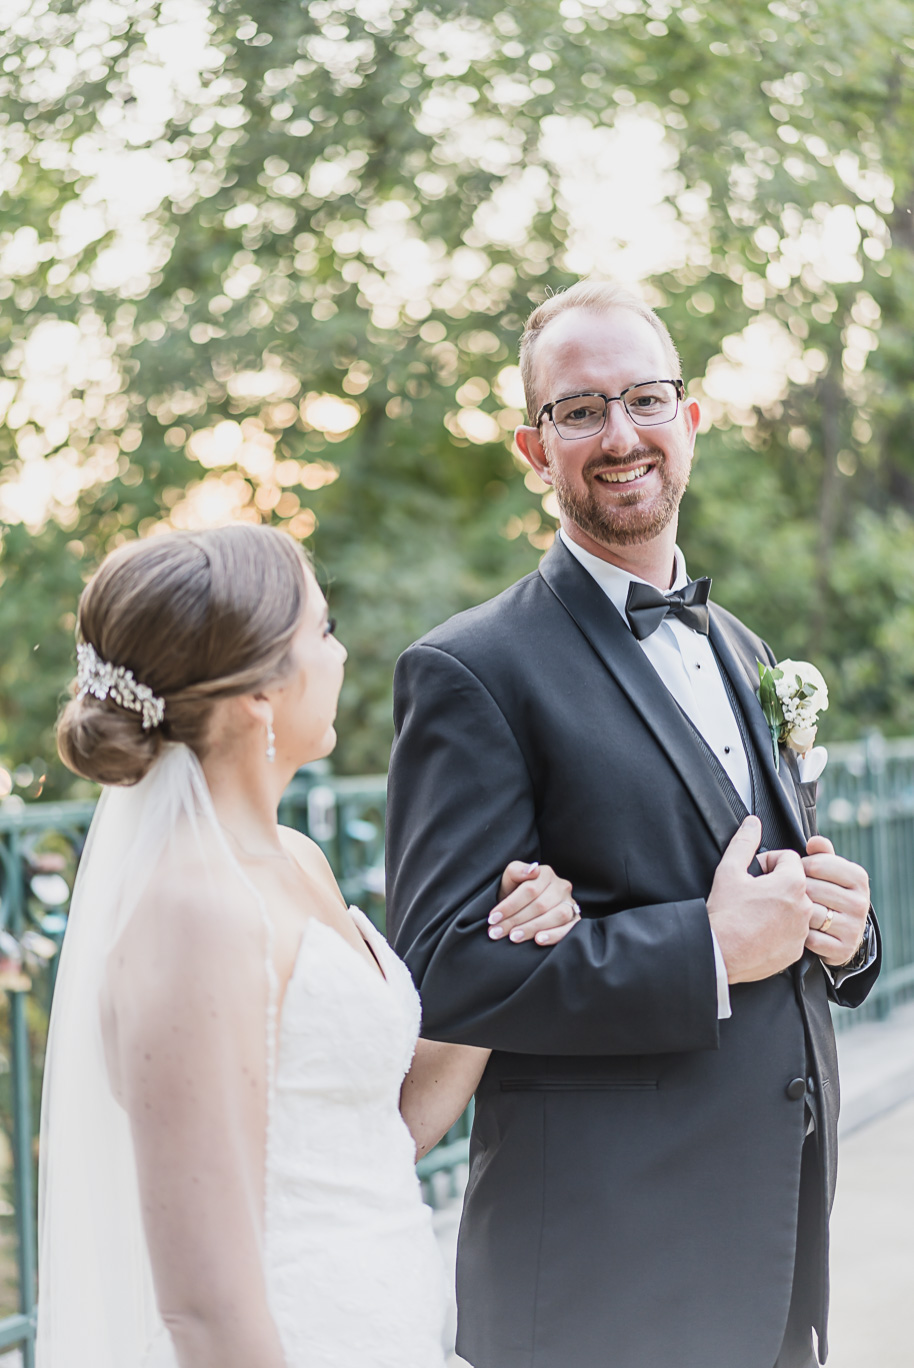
column 583, row 415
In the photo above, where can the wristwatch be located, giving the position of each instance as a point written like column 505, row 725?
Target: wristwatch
column 860, row 956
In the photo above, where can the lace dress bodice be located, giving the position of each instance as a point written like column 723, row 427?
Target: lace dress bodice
column 353, row 1272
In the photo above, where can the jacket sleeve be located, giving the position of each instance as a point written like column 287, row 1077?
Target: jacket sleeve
column 852, row 989
column 461, row 805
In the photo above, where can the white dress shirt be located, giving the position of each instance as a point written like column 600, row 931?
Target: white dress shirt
column 684, row 660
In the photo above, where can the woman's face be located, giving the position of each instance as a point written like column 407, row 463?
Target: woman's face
column 305, row 700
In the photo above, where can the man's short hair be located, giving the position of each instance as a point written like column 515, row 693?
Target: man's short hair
column 599, row 296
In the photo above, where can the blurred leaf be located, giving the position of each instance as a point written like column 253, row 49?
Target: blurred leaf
column 359, row 200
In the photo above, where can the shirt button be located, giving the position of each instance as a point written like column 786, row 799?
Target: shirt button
column 726, row 750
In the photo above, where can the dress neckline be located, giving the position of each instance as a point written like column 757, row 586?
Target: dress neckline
column 356, row 914
column 376, row 973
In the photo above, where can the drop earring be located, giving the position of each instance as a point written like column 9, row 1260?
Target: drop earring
column 271, row 742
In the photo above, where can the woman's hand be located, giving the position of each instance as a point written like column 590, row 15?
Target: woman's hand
column 535, row 904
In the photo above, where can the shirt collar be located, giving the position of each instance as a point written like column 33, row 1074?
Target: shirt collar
column 613, row 580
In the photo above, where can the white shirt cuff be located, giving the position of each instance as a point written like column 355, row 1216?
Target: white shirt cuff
column 723, row 987
column 838, row 974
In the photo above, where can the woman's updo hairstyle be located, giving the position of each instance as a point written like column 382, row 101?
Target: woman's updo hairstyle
column 196, row 616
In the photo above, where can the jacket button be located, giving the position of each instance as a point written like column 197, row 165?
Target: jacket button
column 796, row 1089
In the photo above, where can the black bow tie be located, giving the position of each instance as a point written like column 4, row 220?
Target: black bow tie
column 646, row 607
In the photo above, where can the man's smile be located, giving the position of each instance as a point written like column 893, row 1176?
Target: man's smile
column 623, row 476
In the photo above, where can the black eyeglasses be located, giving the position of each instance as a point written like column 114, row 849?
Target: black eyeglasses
column 584, row 415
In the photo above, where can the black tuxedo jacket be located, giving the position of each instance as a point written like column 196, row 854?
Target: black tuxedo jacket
column 635, row 1163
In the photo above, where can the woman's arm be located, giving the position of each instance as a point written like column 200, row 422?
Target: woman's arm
column 190, row 1012
column 535, row 904
column 437, row 1089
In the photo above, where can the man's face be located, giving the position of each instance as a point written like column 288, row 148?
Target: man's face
column 623, row 486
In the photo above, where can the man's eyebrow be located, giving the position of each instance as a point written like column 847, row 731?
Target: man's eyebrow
column 583, row 394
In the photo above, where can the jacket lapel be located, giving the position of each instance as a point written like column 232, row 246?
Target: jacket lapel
column 601, row 624
column 739, row 660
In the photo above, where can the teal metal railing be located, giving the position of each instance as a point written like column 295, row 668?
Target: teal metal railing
column 39, row 851
column 866, row 806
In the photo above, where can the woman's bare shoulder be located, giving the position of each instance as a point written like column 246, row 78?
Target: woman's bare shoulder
column 309, row 855
column 192, row 916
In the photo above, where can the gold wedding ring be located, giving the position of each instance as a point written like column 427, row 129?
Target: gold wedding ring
column 829, row 918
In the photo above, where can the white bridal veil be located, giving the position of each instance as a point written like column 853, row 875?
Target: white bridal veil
column 165, row 995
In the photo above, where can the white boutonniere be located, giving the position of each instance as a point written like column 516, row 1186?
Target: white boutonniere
column 792, row 694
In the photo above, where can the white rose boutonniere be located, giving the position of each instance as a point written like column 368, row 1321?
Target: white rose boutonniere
column 792, row 694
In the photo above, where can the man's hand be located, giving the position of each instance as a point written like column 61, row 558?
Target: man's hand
column 841, row 888
column 762, row 923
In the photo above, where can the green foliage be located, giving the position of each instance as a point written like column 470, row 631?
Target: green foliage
column 329, row 226
column 771, row 707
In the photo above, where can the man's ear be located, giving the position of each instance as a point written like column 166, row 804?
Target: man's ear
column 692, row 414
column 530, row 445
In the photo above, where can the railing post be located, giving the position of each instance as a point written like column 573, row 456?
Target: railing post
column 881, row 872
column 22, row 1115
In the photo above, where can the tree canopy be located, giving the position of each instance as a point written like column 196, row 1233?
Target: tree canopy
column 272, row 261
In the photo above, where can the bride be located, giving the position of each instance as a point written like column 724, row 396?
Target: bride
column 227, row 1179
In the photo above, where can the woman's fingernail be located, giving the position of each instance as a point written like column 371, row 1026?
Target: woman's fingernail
column 534, row 865
column 542, row 937
column 496, row 932
column 517, row 934
column 494, row 918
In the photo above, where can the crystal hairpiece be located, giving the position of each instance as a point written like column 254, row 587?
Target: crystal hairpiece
column 102, row 680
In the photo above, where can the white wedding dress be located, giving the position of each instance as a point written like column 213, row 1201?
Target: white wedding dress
column 354, row 1275
column 270, row 1130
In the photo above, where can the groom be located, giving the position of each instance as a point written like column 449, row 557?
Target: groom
column 653, row 1155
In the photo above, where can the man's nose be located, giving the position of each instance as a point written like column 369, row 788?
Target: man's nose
column 620, row 434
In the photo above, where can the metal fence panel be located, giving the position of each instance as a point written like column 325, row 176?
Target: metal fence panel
column 866, row 806
column 40, row 847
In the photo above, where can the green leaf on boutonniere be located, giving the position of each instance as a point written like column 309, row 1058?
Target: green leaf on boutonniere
column 771, row 707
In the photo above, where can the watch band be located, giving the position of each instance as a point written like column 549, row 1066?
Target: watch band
column 860, row 956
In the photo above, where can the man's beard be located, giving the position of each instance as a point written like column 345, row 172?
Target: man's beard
column 629, row 521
